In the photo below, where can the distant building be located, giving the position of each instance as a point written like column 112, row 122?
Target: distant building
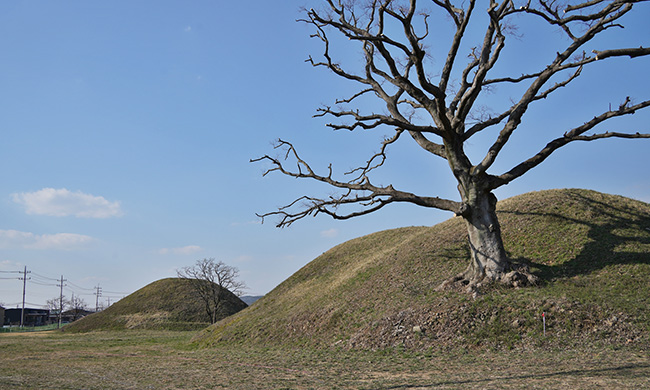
column 2, row 315
column 33, row 317
column 74, row 314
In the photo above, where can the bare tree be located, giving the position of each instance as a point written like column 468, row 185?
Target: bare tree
column 77, row 306
column 421, row 102
column 57, row 304
column 213, row 281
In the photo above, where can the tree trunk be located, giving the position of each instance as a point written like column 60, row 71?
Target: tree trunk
column 489, row 261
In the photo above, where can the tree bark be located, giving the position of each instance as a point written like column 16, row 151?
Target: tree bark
column 489, row 261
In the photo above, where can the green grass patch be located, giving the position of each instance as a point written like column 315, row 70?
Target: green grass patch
column 17, row 329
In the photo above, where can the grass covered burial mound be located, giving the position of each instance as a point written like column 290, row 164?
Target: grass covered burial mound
column 165, row 304
column 591, row 251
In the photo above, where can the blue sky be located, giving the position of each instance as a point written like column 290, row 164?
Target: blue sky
column 127, row 129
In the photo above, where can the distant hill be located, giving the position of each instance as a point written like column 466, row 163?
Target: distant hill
column 165, row 304
column 250, row 299
column 591, row 250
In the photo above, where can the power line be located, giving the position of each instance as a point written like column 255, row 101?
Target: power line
column 42, row 284
column 44, row 277
column 85, row 294
column 8, row 305
column 75, row 289
column 117, row 292
column 79, row 287
column 34, row 304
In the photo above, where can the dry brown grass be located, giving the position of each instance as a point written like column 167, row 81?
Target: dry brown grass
column 165, row 360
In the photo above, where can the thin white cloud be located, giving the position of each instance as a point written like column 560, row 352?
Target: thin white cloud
column 185, row 250
column 244, row 259
column 62, row 203
column 331, row 233
column 27, row 240
column 9, row 265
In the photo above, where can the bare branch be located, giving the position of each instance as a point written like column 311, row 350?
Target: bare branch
column 606, row 16
column 512, row 79
column 576, row 7
column 576, row 134
column 373, row 202
column 457, row 14
column 465, row 84
column 429, row 146
column 381, row 156
column 485, row 124
column 632, row 53
column 462, row 20
column 552, row 14
column 356, row 95
column 493, row 43
column 557, row 86
column 359, row 190
column 372, row 121
column 584, row 60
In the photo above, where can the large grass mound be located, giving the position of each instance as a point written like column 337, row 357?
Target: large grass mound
column 591, row 250
column 165, row 304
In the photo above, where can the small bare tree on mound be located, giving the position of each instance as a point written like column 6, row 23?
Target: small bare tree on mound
column 436, row 104
column 212, row 280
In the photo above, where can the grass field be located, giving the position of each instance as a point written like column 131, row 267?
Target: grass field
column 168, row 360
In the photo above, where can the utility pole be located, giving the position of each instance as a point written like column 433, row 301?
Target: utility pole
column 61, row 301
column 22, row 312
column 98, row 294
column 75, row 310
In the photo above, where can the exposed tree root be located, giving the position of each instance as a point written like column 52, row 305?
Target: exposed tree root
column 517, row 275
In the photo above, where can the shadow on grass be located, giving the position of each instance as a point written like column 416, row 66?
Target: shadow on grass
column 627, row 370
column 610, row 230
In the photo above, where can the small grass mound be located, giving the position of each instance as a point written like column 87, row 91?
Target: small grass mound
column 591, row 251
column 167, row 304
